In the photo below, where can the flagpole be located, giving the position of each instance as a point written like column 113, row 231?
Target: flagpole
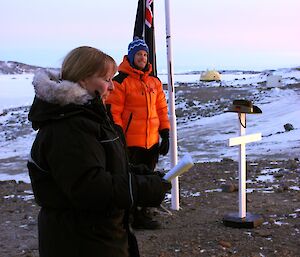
column 172, row 115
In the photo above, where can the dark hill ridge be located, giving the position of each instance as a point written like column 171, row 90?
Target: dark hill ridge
column 11, row 67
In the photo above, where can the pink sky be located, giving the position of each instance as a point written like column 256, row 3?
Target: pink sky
column 205, row 34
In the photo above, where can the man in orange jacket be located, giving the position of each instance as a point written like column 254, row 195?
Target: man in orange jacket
column 139, row 107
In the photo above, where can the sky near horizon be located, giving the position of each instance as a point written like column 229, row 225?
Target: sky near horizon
column 214, row 34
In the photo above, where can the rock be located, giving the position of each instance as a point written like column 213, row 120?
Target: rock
column 225, row 244
column 288, row 127
column 227, row 160
column 292, row 164
column 263, row 233
column 279, row 190
column 271, row 220
column 229, row 188
column 284, row 186
column 281, row 187
column 277, row 175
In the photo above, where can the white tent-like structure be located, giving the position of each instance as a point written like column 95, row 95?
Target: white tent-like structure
column 210, row 75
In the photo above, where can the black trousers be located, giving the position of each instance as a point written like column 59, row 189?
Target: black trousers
column 140, row 155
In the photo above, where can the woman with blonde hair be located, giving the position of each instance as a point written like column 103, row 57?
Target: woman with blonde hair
column 78, row 165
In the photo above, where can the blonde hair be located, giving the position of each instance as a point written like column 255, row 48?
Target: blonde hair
column 85, row 61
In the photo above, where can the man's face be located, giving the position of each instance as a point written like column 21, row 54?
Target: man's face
column 140, row 59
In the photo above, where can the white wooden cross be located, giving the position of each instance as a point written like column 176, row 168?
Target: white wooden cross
column 242, row 140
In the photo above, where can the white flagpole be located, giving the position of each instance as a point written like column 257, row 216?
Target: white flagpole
column 172, row 116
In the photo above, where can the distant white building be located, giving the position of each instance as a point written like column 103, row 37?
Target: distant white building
column 274, row 81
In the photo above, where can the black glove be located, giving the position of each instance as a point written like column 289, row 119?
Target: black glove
column 165, row 183
column 149, row 190
column 164, row 144
column 139, row 169
column 160, row 173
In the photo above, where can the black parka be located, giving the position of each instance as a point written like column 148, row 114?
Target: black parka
column 80, row 175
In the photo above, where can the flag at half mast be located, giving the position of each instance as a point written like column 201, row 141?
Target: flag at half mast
column 144, row 28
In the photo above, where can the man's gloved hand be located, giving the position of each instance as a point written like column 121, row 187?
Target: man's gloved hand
column 166, row 185
column 160, row 173
column 139, row 169
column 164, row 144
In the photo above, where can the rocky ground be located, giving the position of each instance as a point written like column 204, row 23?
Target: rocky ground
column 207, row 192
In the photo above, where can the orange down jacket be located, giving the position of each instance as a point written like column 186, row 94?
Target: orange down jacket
column 138, row 105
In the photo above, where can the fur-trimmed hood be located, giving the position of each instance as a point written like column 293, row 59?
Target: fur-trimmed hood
column 57, row 99
column 49, row 88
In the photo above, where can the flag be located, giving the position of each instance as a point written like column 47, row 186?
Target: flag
column 144, row 28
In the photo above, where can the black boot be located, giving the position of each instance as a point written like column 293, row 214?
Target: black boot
column 142, row 220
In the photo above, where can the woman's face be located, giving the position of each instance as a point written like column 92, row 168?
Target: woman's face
column 140, row 59
column 102, row 84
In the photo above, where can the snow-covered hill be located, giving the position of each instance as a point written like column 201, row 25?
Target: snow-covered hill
column 11, row 67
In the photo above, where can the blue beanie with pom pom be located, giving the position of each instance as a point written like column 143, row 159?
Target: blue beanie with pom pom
column 135, row 46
